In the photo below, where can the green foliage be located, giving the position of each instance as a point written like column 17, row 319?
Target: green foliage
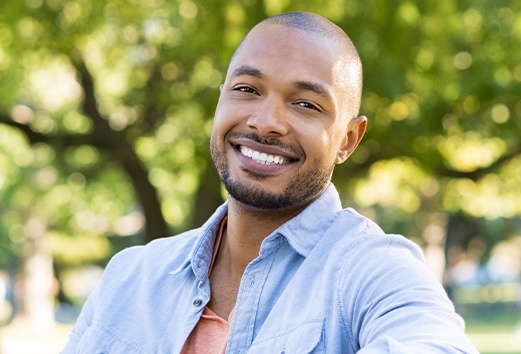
column 106, row 108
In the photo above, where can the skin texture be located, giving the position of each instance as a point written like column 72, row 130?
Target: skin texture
column 287, row 94
column 270, row 105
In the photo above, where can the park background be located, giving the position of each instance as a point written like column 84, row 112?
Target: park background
column 105, row 114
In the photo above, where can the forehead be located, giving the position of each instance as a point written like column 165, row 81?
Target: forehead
column 288, row 51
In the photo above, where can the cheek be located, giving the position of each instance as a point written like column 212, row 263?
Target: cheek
column 320, row 148
column 227, row 116
column 331, row 146
column 221, row 123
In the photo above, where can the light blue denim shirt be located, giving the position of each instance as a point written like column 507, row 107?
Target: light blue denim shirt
column 327, row 281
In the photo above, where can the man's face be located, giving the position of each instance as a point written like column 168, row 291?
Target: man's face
column 281, row 118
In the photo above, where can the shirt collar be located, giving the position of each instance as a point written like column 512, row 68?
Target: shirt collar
column 200, row 256
column 302, row 232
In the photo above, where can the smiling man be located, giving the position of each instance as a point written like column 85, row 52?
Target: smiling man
column 280, row 267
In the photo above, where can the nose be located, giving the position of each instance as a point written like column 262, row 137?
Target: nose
column 269, row 118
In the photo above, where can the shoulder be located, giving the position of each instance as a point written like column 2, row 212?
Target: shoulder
column 363, row 238
column 170, row 252
column 374, row 262
column 161, row 255
column 374, row 252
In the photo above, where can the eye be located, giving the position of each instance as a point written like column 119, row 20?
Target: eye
column 308, row 105
column 245, row 89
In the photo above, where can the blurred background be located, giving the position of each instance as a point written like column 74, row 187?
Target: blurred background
column 105, row 114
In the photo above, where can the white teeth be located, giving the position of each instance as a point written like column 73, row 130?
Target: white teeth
column 262, row 158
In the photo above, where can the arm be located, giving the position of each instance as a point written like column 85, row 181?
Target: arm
column 399, row 306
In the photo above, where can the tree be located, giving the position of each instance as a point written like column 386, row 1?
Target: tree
column 106, row 110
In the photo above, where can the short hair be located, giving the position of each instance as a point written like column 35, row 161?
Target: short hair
column 308, row 22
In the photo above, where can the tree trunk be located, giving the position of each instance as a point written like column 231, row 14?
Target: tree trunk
column 38, row 294
column 207, row 198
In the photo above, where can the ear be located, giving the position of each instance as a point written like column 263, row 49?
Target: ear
column 355, row 132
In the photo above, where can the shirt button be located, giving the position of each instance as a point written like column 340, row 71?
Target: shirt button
column 197, row 302
column 252, row 281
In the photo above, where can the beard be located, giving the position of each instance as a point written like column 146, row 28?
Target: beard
column 301, row 189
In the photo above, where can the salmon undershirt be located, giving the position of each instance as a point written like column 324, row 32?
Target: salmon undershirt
column 210, row 334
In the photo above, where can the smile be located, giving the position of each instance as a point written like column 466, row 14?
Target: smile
column 262, row 158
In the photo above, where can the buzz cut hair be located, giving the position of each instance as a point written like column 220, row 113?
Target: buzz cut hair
column 308, row 22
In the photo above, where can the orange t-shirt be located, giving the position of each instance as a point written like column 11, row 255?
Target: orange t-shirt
column 210, row 334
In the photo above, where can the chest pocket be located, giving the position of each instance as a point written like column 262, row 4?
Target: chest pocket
column 98, row 340
column 305, row 338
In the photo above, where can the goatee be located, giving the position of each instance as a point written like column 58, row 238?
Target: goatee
column 302, row 188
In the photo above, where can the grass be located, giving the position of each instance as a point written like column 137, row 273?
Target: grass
column 494, row 332
column 21, row 338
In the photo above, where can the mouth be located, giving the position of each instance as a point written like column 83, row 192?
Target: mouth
column 262, row 157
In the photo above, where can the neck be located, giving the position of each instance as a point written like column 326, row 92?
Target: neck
column 248, row 227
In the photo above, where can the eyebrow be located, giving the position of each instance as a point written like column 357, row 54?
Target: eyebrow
column 249, row 71
column 309, row 86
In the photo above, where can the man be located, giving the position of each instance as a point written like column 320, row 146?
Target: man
column 280, row 267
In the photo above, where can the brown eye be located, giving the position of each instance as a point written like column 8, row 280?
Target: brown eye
column 307, row 105
column 245, row 89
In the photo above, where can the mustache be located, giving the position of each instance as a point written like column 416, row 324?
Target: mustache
column 296, row 150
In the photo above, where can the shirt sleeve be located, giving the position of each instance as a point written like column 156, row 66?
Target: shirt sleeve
column 396, row 305
column 82, row 324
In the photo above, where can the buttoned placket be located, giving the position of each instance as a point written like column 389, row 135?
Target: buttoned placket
column 199, row 294
column 246, row 307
